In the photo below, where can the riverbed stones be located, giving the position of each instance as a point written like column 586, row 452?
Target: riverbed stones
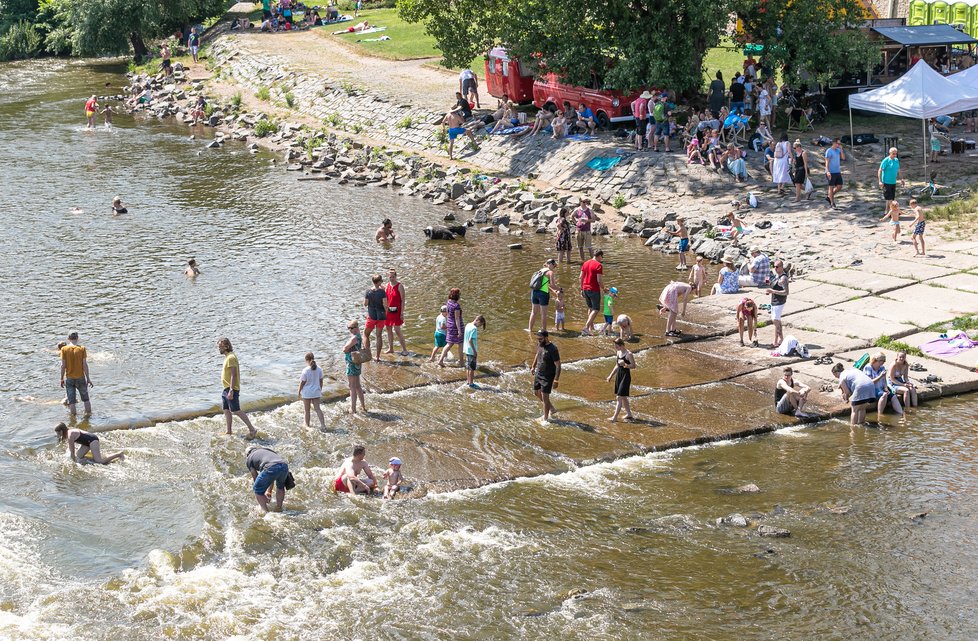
column 774, row 532
column 733, row 520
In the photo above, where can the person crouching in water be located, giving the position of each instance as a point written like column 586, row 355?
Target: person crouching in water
column 86, row 441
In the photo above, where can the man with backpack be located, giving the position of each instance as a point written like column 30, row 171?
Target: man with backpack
column 541, row 284
column 660, row 113
column 583, row 217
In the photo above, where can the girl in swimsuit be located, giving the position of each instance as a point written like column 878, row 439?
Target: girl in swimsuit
column 624, row 364
column 898, row 379
column 86, row 441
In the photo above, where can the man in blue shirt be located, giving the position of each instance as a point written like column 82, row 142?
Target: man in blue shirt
column 887, row 174
column 585, row 119
column 833, row 170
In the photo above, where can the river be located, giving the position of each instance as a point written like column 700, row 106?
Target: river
column 168, row 544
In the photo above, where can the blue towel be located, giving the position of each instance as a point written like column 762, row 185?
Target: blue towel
column 601, row 163
column 581, row 137
column 511, row 130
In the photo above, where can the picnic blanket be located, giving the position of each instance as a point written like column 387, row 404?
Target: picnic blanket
column 511, row 130
column 580, row 137
column 949, row 346
column 343, row 18
column 602, row 163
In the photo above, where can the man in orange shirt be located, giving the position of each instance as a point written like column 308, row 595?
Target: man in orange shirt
column 74, row 373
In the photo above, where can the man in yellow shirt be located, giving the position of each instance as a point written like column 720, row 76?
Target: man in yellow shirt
column 231, row 381
column 74, row 373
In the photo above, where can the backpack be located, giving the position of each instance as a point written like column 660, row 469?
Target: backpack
column 536, row 281
column 659, row 112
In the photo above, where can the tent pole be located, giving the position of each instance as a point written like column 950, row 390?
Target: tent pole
column 923, row 129
column 852, row 142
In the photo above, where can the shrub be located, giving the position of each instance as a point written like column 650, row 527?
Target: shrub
column 263, row 93
column 357, row 128
column 334, row 120
column 289, row 99
column 265, row 127
column 348, row 87
column 618, row 201
column 404, row 123
column 236, row 100
column 21, row 41
column 886, row 342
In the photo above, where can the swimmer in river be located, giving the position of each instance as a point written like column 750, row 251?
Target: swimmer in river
column 385, row 233
column 394, row 478
column 86, row 441
column 192, row 271
column 91, row 108
column 117, row 207
column 107, row 112
column 348, row 478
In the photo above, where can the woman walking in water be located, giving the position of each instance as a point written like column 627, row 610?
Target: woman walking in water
column 86, row 441
column 563, row 237
column 355, row 344
column 311, row 390
column 624, row 364
column 453, row 326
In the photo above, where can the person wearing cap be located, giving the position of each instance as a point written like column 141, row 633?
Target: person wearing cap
column 540, row 297
column 759, row 269
column 591, row 273
column 393, row 477
column 75, row 378
column 348, row 478
column 266, row 468
column 640, row 112
column 546, row 372
column 608, row 309
column 727, row 280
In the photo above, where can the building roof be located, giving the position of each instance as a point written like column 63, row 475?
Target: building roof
column 935, row 34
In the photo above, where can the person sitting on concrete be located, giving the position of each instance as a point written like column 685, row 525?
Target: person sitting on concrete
column 875, row 369
column 789, row 396
column 586, row 122
column 727, row 281
column 733, row 160
column 758, row 269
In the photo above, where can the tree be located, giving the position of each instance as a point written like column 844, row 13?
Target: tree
column 628, row 43
column 821, row 37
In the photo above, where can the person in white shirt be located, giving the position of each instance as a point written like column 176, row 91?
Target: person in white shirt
column 311, row 390
column 468, row 84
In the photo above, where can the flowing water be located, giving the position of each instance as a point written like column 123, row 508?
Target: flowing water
column 168, row 543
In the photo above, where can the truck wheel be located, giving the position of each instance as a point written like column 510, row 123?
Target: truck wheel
column 603, row 120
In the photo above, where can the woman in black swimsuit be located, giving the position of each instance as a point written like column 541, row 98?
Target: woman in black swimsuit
column 85, row 441
column 624, row 364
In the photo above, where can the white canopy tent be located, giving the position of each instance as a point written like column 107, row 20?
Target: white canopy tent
column 920, row 93
column 968, row 77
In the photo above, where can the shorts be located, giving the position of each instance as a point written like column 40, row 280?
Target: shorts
column 609, row 320
column 662, row 129
column 471, row 363
column 683, row 245
column 455, row 132
column 89, row 114
column 835, row 180
column 440, row 339
column 469, row 85
column 166, row 64
column 194, row 51
column 918, row 229
column 639, row 127
column 558, row 317
column 889, row 191
column 540, row 297
column 593, row 300
column 371, row 323
column 935, row 144
column 394, row 319
column 73, row 385
column 784, row 406
column 776, row 311
column 233, row 404
column 541, row 384
column 865, row 401
column 275, row 473
column 583, row 239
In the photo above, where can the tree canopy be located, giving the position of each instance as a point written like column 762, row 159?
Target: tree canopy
column 642, row 43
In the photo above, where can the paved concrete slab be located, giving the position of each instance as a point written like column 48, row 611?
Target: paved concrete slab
column 966, row 282
column 823, row 403
column 861, row 280
column 914, row 269
column 803, row 284
column 832, row 321
column 728, row 347
column 895, row 311
column 964, row 246
column 823, row 294
column 923, row 296
column 955, row 379
column 957, row 260
column 967, row 358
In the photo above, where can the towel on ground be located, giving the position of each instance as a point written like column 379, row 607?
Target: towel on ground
column 949, row 346
column 601, row 163
column 580, row 137
column 511, row 130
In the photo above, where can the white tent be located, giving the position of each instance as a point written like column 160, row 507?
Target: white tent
column 968, row 77
column 920, row 93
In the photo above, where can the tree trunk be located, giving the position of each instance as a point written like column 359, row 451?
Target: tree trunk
column 139, row 50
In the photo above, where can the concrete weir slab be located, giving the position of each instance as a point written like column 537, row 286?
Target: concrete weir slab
column 857, row 279
column 823, row 294
column 964, row 261
column 965, row 246
column 954, row 379
column 923, row 296
column 833, row 321
column 966, row 358
column 914, row 269
column 895, row 311
column 966, row 282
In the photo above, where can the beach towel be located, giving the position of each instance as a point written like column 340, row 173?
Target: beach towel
column 601, row 163
column 580, row 137
column 949, row 346
column 352, row 30
column 343, row 18
column 511, row 130
column 380, row 39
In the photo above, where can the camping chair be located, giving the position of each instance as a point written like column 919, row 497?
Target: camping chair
column 799, row 119
column 734, row 127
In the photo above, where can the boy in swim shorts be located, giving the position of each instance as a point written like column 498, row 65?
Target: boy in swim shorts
column 441, row 337
column 559, row 314
column 893, row 213
column 918, row 224
column 683, row 234
column 453, row 123
column 393, row 477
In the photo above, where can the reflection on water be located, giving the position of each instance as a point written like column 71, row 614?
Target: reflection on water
column 168, row 544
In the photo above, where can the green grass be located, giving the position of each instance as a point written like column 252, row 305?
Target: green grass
column 728, row 58
column 407, row 41
column 886, row 342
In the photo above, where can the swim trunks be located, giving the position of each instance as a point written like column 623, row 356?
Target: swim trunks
column 918, row 229
column 455, row 132
column 339, row 485
column 683, row 245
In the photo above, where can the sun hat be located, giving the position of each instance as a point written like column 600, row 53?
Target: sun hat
column 646, row 95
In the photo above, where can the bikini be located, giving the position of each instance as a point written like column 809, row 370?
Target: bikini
column 86, row 440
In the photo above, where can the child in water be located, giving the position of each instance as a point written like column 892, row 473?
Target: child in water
column 697, row 277
column 192, row 271
column 609, row 310
column 393, row 477
column 624, row 327
column 117, row 207
column 107, row 112
column 559, row 314
column 441, row 337
column 893, row 213
column 683, row 234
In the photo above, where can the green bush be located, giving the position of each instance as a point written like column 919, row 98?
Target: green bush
column 886, row 342
column 289, row 99
column 404, row 123
column 236, row 100
column 265, row 127
column 334, row 120
column 20, row 41
column 618, row 201
column 263, row 93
